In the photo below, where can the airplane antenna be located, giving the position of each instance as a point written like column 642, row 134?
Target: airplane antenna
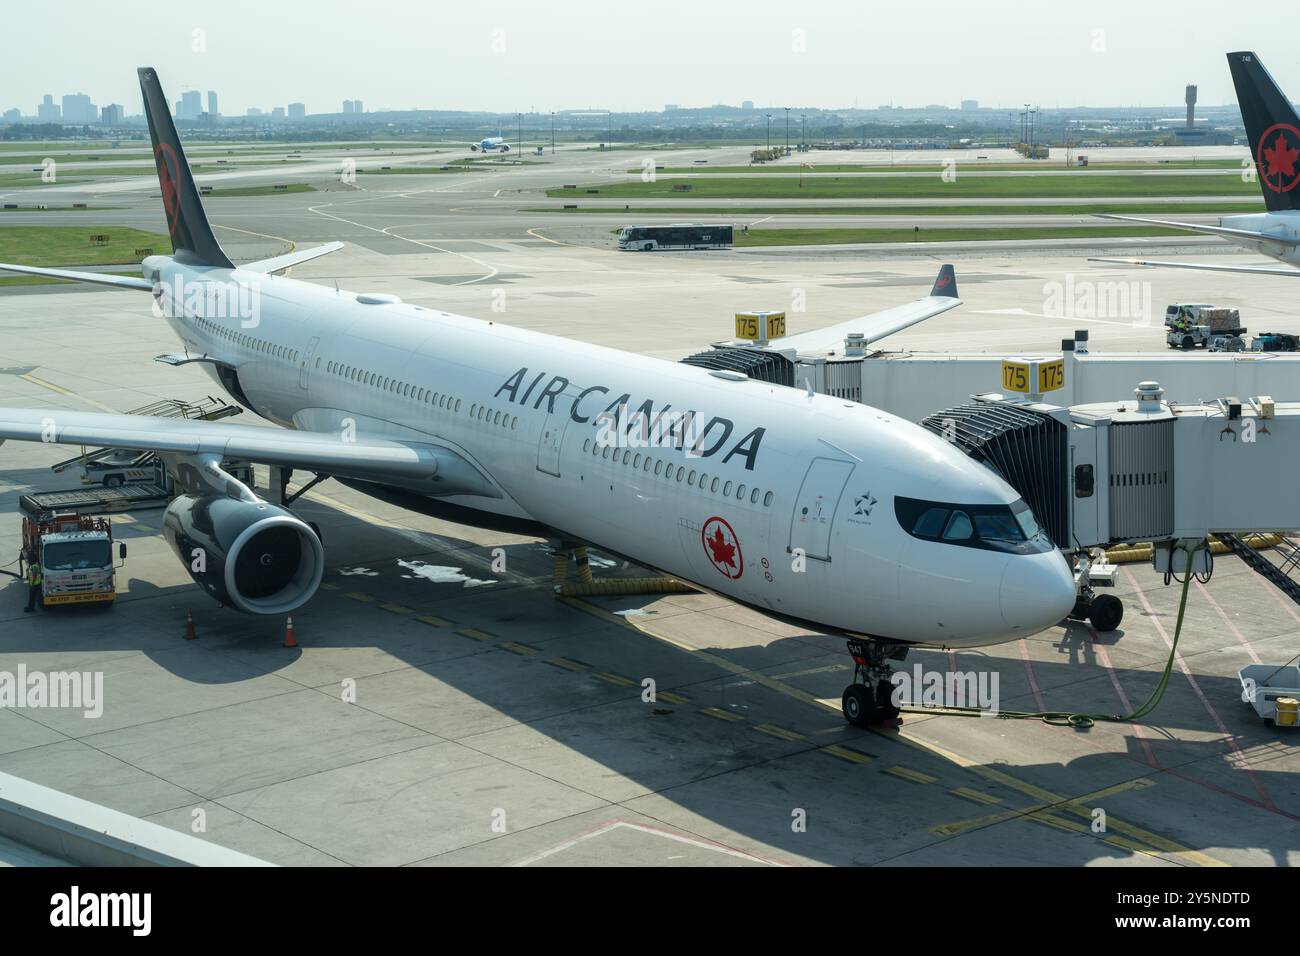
column 807, row 383
column 336, row 286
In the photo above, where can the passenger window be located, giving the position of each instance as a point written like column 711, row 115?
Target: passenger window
column 714, row 486
column 726, row 490
column 767, row 499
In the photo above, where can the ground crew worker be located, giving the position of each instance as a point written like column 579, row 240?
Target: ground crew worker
column 34, row 581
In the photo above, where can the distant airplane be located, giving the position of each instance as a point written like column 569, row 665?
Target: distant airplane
column 489, row 143
column 809, row 508
column 1273, row 131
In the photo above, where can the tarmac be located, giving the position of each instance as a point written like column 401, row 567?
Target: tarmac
column 440, row 712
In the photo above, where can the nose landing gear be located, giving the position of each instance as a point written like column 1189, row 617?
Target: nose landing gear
column 869, row 699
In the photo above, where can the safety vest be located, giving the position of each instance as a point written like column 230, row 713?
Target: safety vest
column 37, row 577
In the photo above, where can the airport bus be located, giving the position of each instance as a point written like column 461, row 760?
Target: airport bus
column 675, row 236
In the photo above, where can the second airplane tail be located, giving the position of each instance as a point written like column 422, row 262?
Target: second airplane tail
column 1272, row 129
column 191, row 235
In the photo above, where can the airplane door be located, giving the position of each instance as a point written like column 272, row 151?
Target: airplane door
column 552, row 437
column 814, row 508
column 307, row 359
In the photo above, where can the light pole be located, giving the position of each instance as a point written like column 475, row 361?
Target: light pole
column 552, row 132
column 803, row 135
column 787, row 131
column 519, row 121
column 769, row 132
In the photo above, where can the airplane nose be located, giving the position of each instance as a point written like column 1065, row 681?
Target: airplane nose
column 1037, row 591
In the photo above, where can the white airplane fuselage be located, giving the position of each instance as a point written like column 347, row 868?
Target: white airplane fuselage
column 767, row 495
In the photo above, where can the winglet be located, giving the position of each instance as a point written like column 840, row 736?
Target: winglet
column 945, row 283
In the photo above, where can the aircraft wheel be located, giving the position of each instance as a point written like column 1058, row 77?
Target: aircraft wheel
column 885, row 709
column 1188, row 343
column 858, row 706
column 1106, row 613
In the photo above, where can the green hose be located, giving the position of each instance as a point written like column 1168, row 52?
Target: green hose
column 1061, row 718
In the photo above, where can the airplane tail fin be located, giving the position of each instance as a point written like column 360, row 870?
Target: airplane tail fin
column 191, row 234
column 1272, row 129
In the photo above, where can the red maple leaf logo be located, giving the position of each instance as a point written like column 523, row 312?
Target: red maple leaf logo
column 168, row 186
column 722, row 551
column 1281, row 158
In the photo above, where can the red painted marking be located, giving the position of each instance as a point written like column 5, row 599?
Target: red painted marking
column 1277, row 157
column 722, row 547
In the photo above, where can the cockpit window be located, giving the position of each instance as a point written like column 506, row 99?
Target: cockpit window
column 1010, row 528
column 959, row 527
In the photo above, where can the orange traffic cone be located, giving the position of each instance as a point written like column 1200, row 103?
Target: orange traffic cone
column 189, row 626
column 289, row 639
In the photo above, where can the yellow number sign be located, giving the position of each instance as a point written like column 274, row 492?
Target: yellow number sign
column 1020, row 375
column 750, row 325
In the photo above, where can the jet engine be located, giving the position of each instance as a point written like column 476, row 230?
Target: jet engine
column 254, row 556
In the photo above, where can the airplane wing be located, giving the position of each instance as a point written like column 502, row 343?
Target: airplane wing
column 297, row 257
column 1206, row 267
column 1224, row 231
column 942, row 297
column 375, row 459
column 265, row 266
column 100, row 278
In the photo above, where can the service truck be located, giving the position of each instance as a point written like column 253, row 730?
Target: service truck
column 75, row 554
column 1198, row 326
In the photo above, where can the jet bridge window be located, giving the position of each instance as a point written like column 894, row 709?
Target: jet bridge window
column 1010, row 528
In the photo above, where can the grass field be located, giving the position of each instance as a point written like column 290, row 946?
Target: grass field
column 1059, row 186
column 690, row 208
column 71, row 246
column 421, row 170
column 817, row 237
column 963, row 165
column 230, row 191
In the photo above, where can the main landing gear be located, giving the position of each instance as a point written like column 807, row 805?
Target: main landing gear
column 868, row 700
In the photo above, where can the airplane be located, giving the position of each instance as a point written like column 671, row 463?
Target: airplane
column 489, row 143
column 1273, row 131
column 806, row 507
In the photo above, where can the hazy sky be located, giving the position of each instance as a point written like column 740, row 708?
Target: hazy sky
column 625, row 55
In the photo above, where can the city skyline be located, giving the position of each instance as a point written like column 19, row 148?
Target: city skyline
column 513, row 58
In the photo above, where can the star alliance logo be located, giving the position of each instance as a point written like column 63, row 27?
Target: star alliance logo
column 862, row 505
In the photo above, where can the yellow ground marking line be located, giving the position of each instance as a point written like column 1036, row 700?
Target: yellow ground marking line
column 780, row 732
column 848, row 753
column 523, row 650
column 326, row 586
column 28, row 376
column 397, row 609
column 979, row 796
column 567, row 664
column 261, row 235
column 907, row 773
column 671, row 697
column 537, row 235
column 1045, row 797
column 359, row 596
column 433, row 621
column 616, row 679
column 720, row 714
column 720, row 662
column 475, row 633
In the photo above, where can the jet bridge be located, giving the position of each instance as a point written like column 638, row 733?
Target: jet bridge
column 1143, row 469
column 912, row 384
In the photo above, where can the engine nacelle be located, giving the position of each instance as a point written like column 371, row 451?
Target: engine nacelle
column 254, row 556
